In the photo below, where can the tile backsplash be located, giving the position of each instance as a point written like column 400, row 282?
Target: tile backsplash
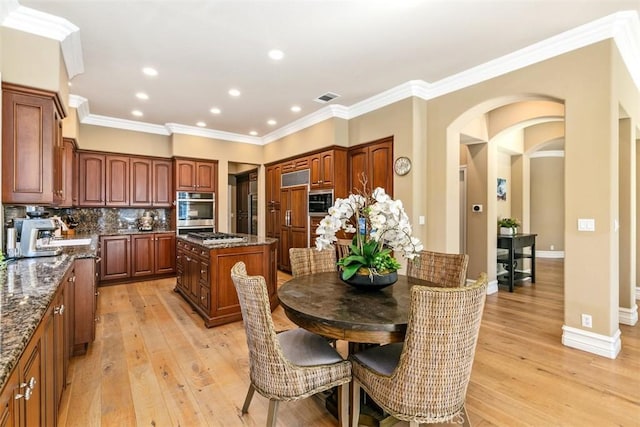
column 101, row 220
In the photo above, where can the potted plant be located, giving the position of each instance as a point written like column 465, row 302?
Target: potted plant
column 380, row 226
column 508, row 225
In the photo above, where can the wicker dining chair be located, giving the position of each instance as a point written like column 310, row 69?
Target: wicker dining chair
column 342, row 247
column 448, row 270
column 425, row 379
column 310, row 260
column 291, row 365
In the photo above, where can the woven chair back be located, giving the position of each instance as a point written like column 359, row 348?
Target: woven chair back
column 435, row 366
column 448, row 270
column 310, row 260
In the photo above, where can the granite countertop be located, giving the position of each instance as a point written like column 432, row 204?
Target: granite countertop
column 27, row 287
column 251, row 241
column 119, row 231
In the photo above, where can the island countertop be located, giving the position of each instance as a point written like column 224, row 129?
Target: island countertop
column 251, row 241
column 27, row 287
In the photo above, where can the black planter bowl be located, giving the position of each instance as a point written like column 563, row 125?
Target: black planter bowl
column 365, row 283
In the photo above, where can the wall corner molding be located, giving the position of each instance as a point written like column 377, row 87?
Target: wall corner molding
column 601, row 345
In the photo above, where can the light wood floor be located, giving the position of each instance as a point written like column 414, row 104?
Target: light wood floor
column 154, row 364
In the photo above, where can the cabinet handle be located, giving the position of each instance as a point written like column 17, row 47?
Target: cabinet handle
column 26, row 395
column 97, row 293
column 98, row 259
column 71, row 279
column 59, row 309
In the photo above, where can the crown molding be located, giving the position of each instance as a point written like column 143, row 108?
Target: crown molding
column 52, row 27
column 94, row 119
column 81, row 105
column 623, row 27
column 325, row 113
column 212, row 134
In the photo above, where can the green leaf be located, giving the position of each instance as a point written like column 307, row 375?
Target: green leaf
column 350, row 271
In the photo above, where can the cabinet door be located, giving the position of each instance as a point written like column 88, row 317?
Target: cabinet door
column 165, row 253
column 185, row 175
column 31, row 373
column 28, row 133
column 115, row 257
column 161, row 183
column 141, row 181
column 91, row 169
column 181, row 268
column 117, row 180
column 69, row 178
column 84, row 301
column 142, row 254
column 381, row 166
column 273, row 177
column 358, row 162
column 8, row 402
column 206, row 176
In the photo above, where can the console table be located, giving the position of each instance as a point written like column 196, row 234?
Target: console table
column 514, row 244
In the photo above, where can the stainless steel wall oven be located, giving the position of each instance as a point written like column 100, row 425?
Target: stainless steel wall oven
column 195, row 212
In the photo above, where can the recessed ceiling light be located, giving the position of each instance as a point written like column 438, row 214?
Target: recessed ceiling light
column 276, row 54
column 150, row 71
column 215, row 111
column 234, row 92
column 137, row 113
column 296, row 108
column 271, row 122
column 253, row 133
column 142, row 95
column 201, row 124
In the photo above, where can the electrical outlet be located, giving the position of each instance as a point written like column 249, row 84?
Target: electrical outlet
column 551, row 247
column 587, row 321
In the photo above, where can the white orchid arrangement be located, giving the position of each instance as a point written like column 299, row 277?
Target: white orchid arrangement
column 380, row 225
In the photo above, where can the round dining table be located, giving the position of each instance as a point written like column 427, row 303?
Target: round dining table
column 322, row 303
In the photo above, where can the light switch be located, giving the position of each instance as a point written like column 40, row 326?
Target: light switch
column 421, row 220
column 586, row 224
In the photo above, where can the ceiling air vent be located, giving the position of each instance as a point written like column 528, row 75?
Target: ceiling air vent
column 329, row 96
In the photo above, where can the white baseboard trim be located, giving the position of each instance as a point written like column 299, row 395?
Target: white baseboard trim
column 549, row 254
column 493, row 287
column 601, row 345
column 628, row 316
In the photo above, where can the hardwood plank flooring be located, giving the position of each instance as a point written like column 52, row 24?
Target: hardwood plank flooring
column 155, row 364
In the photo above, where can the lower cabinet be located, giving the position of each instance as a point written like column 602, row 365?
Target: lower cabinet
column 32, row 394
column 131, row 256
column 204, row 277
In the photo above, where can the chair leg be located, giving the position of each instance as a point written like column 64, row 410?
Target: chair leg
column 355, row 403
column 273, row 410
column 466, row 422
column 247, row 400
column 343, row 405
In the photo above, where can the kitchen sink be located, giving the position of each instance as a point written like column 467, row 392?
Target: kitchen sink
column 69, row 242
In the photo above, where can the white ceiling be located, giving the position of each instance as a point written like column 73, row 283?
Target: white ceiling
column 357, row 49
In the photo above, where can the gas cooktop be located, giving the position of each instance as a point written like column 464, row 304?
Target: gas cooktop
column 208, row 237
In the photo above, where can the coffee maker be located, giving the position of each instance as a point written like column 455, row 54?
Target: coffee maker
column 33, row 233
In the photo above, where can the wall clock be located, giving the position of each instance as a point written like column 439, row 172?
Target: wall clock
column 402, row 166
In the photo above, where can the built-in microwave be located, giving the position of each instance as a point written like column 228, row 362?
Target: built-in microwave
column 195, row 209
column 320, row 201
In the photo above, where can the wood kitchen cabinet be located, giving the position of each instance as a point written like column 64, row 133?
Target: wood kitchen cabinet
column 297, row 164
column 116, row 180
column 150, row 182
column 116, row 258
column 85, row 302
column 31, row 145
column 91, row 168
column 294, row 232
column 69, row 173
column 9, row 403
column 375, row 160
column 323, row 168
column 193, row 274
column 273, row 174
column 195, row 175
column 153, row 254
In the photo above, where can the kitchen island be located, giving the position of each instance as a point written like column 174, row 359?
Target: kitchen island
column 204, row 273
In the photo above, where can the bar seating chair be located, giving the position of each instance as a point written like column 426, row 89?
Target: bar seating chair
column 425, row 379
column 448, row 270
column 310, row 260
column 291, row 365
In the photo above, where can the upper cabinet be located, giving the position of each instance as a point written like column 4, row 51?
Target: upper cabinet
column 195, row 175
column 69, row 173
column 323, row 168
column 119, row 181
column 31, row 146
column 375, row 161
